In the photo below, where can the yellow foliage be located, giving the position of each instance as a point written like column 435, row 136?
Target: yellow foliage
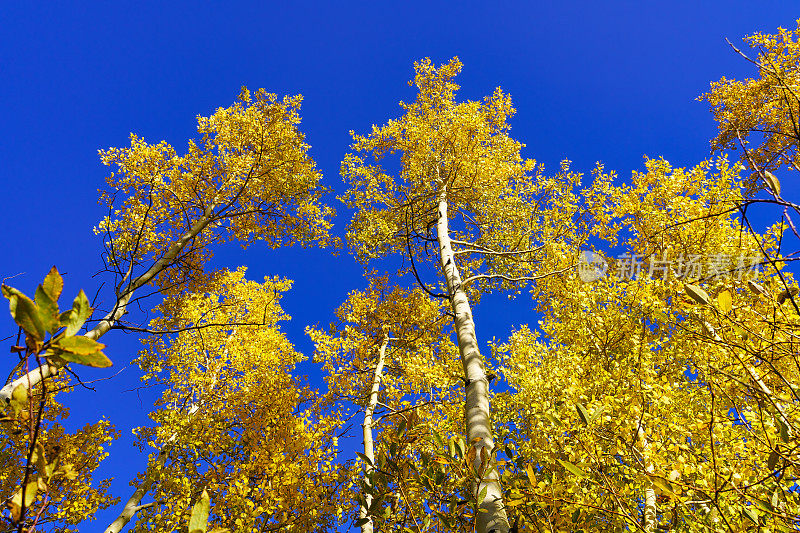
column 232, row 419
column 760, row 114
column 640, row 387
column 248, row 177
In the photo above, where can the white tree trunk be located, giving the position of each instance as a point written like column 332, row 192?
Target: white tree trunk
column 491, row 515
column 132, row 506
column 650, row 521
column 369, row 449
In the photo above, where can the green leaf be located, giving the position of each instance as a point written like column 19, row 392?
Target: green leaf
column 80, row 313
column 572, row 468
column 53, row 284
column 365, row 458
column 482, row 494
column 696, row 293
column 663, row 485
column 48, row 310
column 25, row 312
column 198, row 522
column 760, row 504
column 82, row 350
column 96, row 359
column 751, row 515
column 80, row 345
column 438, row 439
column 582, row 413
column 460, row 444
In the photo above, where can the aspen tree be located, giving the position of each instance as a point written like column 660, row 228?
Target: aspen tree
column 636, row 406
column 385, row 353
column 465, row 201
column 233, row 421
column 759, row 115
column 248, row 177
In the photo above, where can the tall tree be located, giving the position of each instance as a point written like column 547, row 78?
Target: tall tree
column 761, row 115
column 463, row 188
column 639, row 407
column 247, row 178
column 233, row 421
column 387, row 355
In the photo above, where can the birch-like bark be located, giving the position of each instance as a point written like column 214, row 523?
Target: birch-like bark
column 36, row 375
column 491, row 515
column 369, row 449
column 133, row 505
column 650, row 510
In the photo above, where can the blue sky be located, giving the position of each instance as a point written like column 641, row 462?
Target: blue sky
column 592, row 81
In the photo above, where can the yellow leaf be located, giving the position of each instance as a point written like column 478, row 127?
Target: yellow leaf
column 725, row 301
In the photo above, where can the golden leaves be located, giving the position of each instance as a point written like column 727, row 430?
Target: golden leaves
column 248, row 177
column 263, row 431
column 462, row 147
column 758, row 114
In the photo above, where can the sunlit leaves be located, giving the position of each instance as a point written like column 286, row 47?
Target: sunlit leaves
column 247, row 177
column 499, row 202
column 674, row 360
column 760, row 114
column 230, row 399
column 198, row 521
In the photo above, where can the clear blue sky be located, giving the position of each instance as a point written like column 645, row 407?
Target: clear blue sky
column 592, row 81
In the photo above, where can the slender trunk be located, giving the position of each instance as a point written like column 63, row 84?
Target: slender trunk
column 369, row 449
column 490, row 513
column 132, row 506
column 36, row 375
column 650, row 521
